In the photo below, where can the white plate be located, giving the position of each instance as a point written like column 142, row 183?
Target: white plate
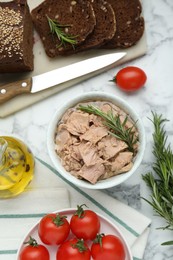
column 107, row 227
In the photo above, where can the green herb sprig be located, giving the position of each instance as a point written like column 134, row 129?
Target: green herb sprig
column 161, row 180
column 119, row 129
column 57, row 29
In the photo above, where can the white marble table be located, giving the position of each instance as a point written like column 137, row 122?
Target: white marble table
column 31, row 124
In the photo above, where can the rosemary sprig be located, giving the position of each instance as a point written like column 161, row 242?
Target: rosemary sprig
column 161, row 181
column 57, row 29
column 119, row 129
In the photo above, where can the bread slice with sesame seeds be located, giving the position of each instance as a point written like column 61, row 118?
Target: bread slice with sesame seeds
column 63, row 24
column 129, row 23
column 16, row 37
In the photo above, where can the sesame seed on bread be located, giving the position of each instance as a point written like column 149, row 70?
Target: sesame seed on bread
column 16, row 41
column 130, row 23
column 77, row 17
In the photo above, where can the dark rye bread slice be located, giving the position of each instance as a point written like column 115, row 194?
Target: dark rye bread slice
column 16, row 37
column 105, row 24
column 77, row 15
column 130, row 23
column 104, row 29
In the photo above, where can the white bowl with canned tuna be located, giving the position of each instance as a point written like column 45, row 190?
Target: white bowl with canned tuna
column 96, row 140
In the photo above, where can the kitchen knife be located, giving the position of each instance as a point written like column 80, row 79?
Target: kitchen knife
column 57, row 76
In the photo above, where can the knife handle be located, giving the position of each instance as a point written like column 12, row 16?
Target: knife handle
column 13, row 89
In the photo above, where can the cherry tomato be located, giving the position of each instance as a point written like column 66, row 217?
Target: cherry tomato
column 130, row 78
column 107, row 247
column 53, row 229
column 85, row 224
column 34, row 251
column 75, row 249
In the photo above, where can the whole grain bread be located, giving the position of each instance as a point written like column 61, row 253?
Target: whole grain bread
column 104, row 29
column 16, row 37
column 130, row 23
column 105, row 24
column 76, row 16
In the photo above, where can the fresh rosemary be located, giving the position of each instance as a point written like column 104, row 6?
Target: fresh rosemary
column 118, row 128
column 161, row 180
column 58, row 30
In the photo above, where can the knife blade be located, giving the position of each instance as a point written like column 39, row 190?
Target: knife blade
column 55, row 77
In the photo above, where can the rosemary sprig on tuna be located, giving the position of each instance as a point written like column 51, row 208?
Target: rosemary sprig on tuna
column 58, row 30
column 113, row 122
column 160, row 181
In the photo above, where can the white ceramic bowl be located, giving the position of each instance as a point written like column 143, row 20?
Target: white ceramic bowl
column 110, row 182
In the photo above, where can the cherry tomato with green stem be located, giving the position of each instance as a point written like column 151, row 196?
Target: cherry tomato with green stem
column 75, row 249
column 53, row 229
column 34, row 251
column 108, row 247
column 85, row 224
column 130, row 78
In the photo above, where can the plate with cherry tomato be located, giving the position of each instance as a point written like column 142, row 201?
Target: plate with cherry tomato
column 74, row 233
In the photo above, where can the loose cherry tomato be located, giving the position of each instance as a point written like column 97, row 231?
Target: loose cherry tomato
column 85, row 224
column 53, row 229
column 75, row 249
column 34, row 251
column 108, row 247
column 130, row 78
